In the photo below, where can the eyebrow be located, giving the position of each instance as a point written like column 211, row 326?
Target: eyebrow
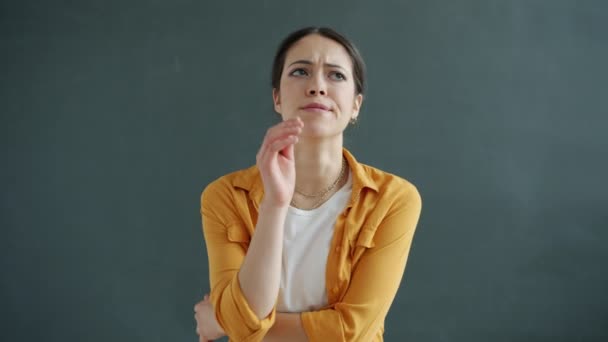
column 303, row 61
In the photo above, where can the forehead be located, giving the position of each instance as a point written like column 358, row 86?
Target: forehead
column 318, row 49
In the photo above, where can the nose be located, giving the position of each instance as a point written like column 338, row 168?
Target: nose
column 316, row 86
column 313, row 92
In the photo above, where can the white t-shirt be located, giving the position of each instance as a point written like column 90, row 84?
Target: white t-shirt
column 306, row 242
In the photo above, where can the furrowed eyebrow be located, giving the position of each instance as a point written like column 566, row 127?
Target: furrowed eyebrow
column 303, row 61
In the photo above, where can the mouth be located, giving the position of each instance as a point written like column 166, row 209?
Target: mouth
column 316, row 107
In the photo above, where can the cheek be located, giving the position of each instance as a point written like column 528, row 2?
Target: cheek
column 289, row 91
column 345, row 99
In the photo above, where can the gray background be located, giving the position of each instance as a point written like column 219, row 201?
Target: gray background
column 116, row 114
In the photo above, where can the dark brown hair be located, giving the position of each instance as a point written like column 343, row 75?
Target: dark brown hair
column 355, row 56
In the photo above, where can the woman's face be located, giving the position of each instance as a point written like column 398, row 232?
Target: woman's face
column 317, row 85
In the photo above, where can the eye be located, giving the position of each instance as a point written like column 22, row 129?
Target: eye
column 298, row 72
column 337, row 76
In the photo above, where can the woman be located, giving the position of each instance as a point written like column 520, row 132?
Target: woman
column 308, row 244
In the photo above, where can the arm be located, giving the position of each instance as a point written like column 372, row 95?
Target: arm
column 234, row 274
column 287, row 327
column 260, row 273
column 375, row 279
column 244, row 279
column 373, row 287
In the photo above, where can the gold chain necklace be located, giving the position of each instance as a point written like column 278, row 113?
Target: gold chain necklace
column 321, row 194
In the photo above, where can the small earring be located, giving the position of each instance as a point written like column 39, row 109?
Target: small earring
column 353, row 121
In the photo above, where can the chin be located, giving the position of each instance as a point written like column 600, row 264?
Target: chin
column 319, row 131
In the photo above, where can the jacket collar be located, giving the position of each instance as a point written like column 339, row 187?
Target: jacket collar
column 251, row 181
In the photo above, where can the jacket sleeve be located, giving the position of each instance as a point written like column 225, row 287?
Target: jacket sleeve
column 225, row 239
column 374, row 281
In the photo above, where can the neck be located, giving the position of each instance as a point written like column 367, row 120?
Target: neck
column 318, row 163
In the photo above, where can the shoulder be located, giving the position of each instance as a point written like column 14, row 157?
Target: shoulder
column 390, row 211
column 225, row 186
column 391, row 187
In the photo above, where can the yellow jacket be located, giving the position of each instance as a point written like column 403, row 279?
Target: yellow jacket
column 366, row 261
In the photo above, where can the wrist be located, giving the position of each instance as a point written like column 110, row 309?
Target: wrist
column 272, row 206
column 218, row 328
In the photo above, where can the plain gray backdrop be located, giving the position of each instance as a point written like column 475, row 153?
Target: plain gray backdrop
column 116, row 114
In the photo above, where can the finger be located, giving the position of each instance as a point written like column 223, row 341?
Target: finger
column 292, row 121
column 288, row 151
column 285, row 125
column 282, row 133
column 271, row 137
column 280, row 144
column 278, row 132
column 270, row 151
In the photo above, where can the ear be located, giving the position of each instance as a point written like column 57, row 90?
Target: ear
column 276, row 98
column 357, row 105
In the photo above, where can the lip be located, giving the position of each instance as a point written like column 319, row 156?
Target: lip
column 316, row 106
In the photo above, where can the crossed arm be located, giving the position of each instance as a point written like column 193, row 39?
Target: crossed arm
column 287, row 326
column 360, row 314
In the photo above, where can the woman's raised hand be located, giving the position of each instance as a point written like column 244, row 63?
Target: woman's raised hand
column 276, row 162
